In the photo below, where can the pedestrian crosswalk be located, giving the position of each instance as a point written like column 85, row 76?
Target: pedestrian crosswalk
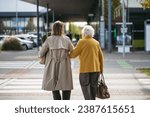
column 20, row 64
column 23, row 80
column 25, row 64
column 30, row 88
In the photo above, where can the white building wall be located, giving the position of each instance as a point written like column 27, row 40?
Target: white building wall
column 10, row 6
column 133, row 3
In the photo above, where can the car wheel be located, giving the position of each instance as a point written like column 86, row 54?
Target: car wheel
column 34, row 44
column 24, row 47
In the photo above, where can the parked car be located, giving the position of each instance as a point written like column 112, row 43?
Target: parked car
column 26, row 44
column 32, row 38
column 41, row 34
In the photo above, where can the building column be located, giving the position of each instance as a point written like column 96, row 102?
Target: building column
column 47, row 20
column 109, row 26
column 53, row 16
column 124, row 28
column 102, row 24
column 38, row 25
column 17, row 17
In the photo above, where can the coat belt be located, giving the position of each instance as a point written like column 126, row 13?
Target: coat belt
column 58, row 60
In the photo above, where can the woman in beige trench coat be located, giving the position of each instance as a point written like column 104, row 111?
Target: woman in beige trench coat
column 57, row 71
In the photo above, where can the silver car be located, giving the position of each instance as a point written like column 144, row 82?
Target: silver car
column 25, row 44
column 31, row 37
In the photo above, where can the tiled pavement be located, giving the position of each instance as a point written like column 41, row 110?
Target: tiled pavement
column 22, row 79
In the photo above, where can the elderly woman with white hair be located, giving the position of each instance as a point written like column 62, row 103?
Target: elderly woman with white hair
column 91, row 62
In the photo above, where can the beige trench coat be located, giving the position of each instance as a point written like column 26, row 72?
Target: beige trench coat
column 57, row 71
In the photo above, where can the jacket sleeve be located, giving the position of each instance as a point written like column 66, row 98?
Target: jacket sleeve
column 77, row 50
column 70, row 46
column 101, row 58
column 44, row 49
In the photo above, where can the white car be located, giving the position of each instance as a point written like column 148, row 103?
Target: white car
column 34, row 38
column 35, row 33
column 25, row 44
column 28, row 37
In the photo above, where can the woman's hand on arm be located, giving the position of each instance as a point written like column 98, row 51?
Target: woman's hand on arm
column 76, row 50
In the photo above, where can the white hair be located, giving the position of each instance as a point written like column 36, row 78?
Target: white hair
column 88, row 31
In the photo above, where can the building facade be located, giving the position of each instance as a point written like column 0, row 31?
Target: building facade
column 136, row 16
column 19, row 17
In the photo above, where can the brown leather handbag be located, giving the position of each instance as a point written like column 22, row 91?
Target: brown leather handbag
column 102, row 89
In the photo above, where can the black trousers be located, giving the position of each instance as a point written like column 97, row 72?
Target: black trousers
column 65, row 95
column 89, row 82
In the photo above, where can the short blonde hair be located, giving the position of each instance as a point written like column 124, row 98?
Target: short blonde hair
column 58, row 28
column 88, row 31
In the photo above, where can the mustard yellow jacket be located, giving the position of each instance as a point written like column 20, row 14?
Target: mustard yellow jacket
column 90, row 55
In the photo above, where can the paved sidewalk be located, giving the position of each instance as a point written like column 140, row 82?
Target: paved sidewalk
column 21, row 76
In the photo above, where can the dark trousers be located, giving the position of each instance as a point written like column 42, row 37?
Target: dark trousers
column 65, row 95
column 89, row 82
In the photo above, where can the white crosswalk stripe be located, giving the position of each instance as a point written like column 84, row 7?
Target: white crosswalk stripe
column 25, row 84
column 20, row 64
column 23, row 80
column 28, row 88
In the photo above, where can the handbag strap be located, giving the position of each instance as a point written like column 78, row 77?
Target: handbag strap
column 101, row 78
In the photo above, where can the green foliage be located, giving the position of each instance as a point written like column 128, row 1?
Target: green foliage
column 1, row 26
column 30, row 26
column 139, row 43
column 73, row 29
column 145, row 70
column 44, row 38
column 11, row 43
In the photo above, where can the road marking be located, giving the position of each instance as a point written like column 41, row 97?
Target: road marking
column 3, row 81
column 20, row 65
column 139, row 60
column 124, row 64
column 6, row 83
column 13, row 64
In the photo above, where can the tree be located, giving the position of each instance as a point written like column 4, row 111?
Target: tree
column 73, row 29
column 115, row 3
column 1, row 26
column 145, row 3
column 30, row 26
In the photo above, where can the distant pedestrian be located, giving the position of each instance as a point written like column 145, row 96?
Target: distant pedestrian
column 91, row 62
column 57, row 71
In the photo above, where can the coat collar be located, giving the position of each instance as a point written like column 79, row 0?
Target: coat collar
column 87, row 37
